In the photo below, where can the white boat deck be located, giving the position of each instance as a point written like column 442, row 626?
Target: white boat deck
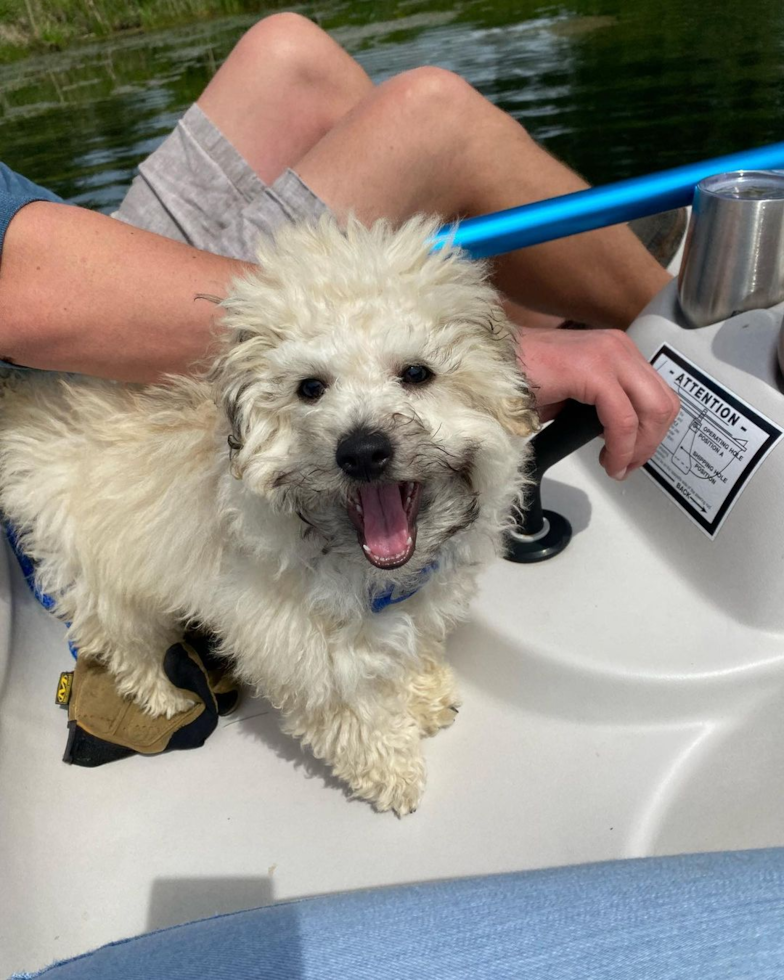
column 598, row 728
column 623, row 699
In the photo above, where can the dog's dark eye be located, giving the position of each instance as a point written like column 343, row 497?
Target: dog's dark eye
column 311, row 389
column 415, row 374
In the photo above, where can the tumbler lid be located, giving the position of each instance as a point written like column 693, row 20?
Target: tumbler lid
column 745, row 185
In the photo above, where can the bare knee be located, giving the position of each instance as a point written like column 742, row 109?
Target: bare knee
column 293, row 48
column 437, row 104
column 285, row 35
column 432, row 93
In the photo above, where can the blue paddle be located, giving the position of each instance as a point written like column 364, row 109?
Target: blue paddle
column 598, row 207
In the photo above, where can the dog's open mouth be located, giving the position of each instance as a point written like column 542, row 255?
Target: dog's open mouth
column 385, row 516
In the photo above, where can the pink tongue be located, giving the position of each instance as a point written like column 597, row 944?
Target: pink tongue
column 386, row 525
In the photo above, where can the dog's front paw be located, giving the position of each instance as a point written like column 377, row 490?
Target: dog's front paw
column 167, row 703
column 154, row 693
column 398, row 789
column 433, row 700
column 433, row 717
column 377, row 753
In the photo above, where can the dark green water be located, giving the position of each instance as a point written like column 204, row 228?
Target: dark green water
column 614, row 87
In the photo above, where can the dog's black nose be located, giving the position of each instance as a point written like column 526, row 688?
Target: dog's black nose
column 364, row 455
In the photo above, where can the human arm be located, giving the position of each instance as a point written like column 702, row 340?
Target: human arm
column 80, row 291
column 605, row 369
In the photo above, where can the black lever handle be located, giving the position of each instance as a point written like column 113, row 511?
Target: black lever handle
column 542, row 534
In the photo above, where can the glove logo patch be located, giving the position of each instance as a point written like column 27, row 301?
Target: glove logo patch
column 64, row 685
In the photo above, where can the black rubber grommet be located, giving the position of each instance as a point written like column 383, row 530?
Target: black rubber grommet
column 525, row 550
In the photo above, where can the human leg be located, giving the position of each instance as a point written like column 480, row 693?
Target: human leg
column 289, row 96
column 427, row 141
column 287, row 85
column 221, row 179
column 417, row 143
column 283, row 87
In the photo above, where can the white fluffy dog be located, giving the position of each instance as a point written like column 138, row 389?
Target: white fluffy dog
column 322, row 500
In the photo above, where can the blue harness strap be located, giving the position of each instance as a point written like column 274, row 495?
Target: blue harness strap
column 28, row 570
column 380, row 600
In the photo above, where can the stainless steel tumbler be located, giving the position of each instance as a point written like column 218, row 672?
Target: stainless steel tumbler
column 733, row 260
column 781, row 349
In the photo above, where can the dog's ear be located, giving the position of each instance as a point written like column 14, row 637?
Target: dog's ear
column 511, row 401
column 232, row 407
column 518, row 415
column 232, row 375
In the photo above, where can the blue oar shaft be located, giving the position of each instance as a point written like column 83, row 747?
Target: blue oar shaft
column 598, row 207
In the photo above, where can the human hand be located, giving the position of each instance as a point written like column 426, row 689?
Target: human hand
column 605, row 369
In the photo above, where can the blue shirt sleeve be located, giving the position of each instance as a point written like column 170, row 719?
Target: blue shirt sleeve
column 15, row 192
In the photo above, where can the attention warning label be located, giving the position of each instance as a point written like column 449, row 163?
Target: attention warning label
column 712, row 448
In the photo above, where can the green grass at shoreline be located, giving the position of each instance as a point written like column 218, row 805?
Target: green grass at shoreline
column 32, row 26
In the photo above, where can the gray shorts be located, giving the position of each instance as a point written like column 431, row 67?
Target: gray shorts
column 196, row 188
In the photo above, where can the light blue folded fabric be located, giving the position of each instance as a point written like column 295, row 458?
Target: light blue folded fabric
column 698, row 917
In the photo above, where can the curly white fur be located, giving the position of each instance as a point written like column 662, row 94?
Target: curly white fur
column 141, row 517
